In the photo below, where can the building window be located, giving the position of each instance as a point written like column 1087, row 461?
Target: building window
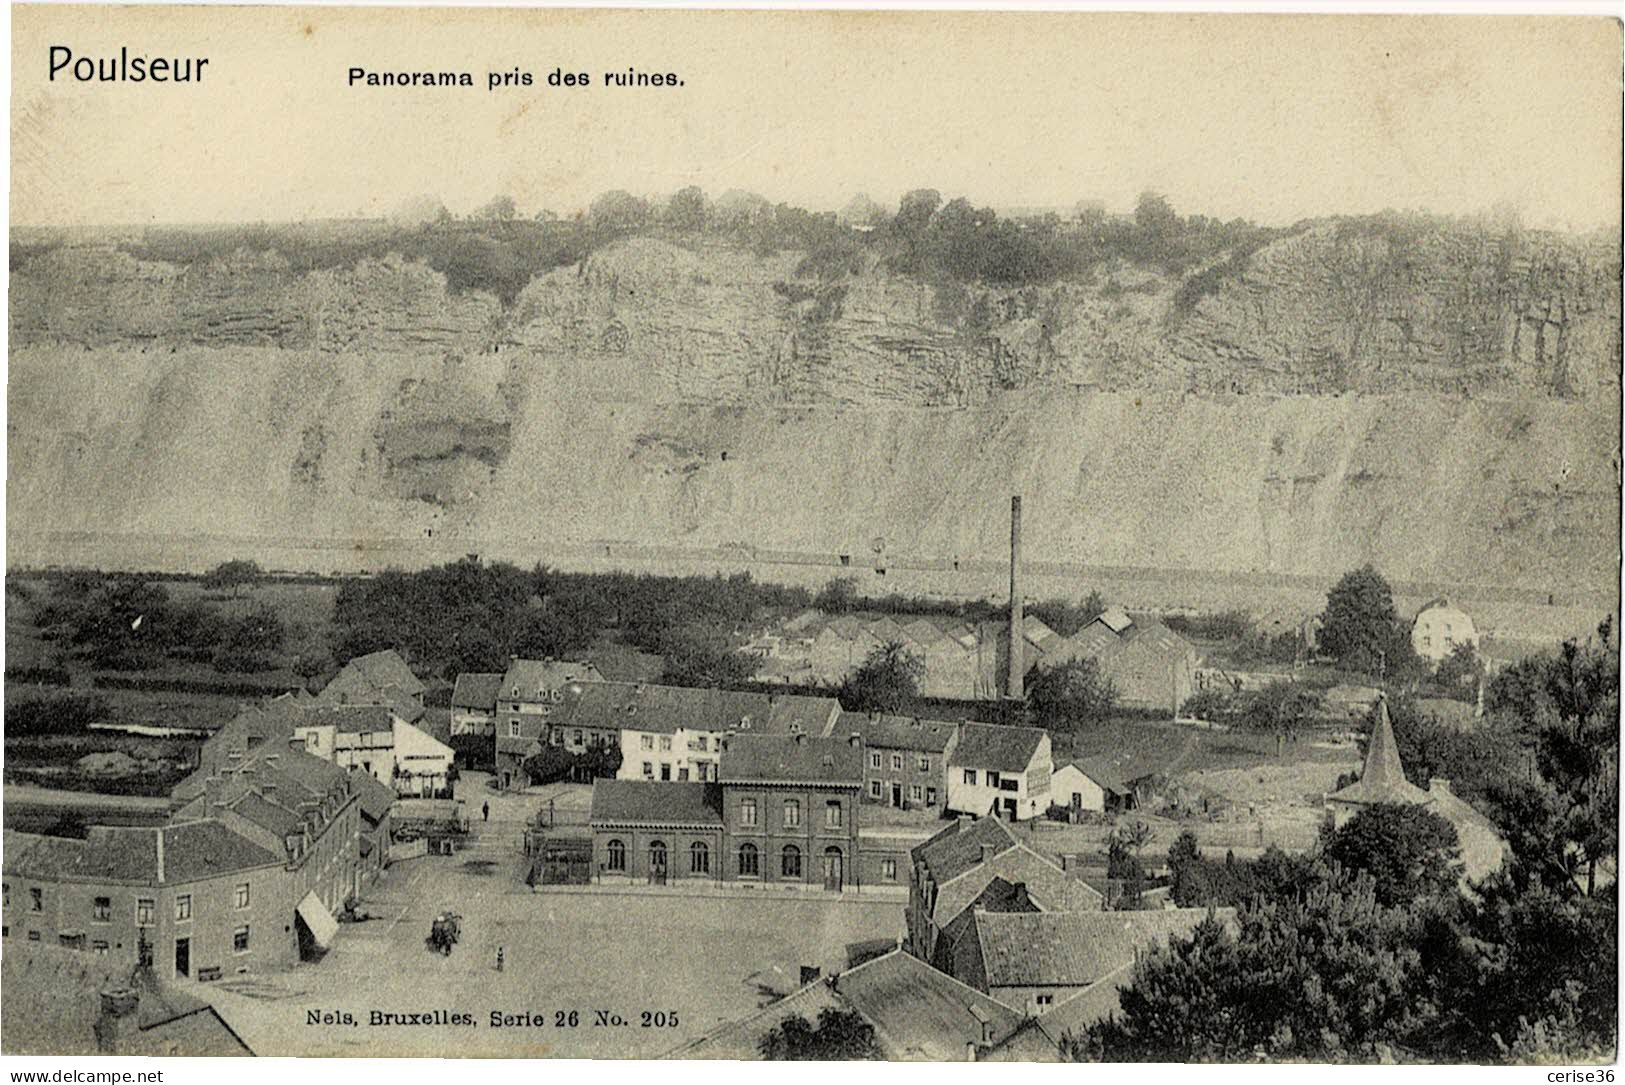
column 792, row 813
column 513, row 728
column 749, row 864
column 747, row 812
column 101, row 911
column 874, row 789
column 874, row 759
column 992, row 779
column 915, row 792
column 665, row 742
column 930, row 796
column 144, row 909
column 665, row 770
column 239, row 940
column 925, row 764
column 7, row 892
column 241, row 900
column 99, row 948
column 790, row 864
column 183, row 907
column 575, row 738
column 311, row 740
column 648, row 770
column 699, row 858
column 832, row 815
column 657, row 856
column 647, row 742
column 970, row 777
column 1046, row 1000
column 33, row 936
column 617, row 856
column 700, row 744
column 682, row 772
column 897, row 762
column 558, row 736
column 36, row 900
column 888, row 869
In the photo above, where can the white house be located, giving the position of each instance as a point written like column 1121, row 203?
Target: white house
column 1072, row 787
column 375, row 739
column 1439, row 629
column 1005, row 771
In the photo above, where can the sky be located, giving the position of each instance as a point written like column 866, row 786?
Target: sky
column 1271, row 118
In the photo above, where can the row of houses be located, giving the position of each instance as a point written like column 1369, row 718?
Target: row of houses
column 674, row 734
column 1153, row 667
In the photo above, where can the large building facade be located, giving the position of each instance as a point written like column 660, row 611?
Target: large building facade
column 785, row 812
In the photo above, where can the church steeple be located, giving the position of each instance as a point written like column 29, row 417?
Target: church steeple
column 1382, row 780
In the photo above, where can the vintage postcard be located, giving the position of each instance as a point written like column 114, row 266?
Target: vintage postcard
column 935, row 536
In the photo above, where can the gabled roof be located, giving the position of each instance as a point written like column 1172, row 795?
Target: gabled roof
column 655, row 802
column 366, row 680
column 531, row 678
column 1382, row 780
column 191, row 850
column 1047, row 886
column 795, row 713
column 350, row 719
column 477, row 691
column 792, row 759
column 950, row 854
column 268, row 815
column 1073, row 949
column 741, row 1040
column 896, row 732
column 1114, row 618
column 1118, row 773
column 375, row 797
column 997, row 747
column 920, row 1013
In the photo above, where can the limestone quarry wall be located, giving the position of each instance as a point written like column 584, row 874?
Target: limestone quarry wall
column 1449, row 413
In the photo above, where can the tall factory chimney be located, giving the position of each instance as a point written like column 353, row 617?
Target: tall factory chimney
column 1018, row 640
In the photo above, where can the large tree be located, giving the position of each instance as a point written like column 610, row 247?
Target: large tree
column 1071, row 696
column 1408, row 851
column 1360, row 628
column 839, row 1036
column 888, row 681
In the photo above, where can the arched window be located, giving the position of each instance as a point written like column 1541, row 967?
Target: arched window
column 699, row 858
column 791, row 865
column 617, row 856
column 749, row 861
column 657, row 855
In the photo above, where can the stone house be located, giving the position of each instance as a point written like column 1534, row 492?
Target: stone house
column 905, row 760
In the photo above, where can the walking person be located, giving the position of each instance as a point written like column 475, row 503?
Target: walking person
column 485, row 810
column 499, row 958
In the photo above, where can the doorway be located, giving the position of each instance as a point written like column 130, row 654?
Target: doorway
column 897, row 794
column 1010, row 809
column 657, row 863
column 832, row 869
column 183, row 956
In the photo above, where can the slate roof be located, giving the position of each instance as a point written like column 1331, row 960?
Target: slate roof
column 366, row 679
column 375, row 797
column 920, row 1013
column 800, row 714
column 350, row 719
column 52, row 1001
column 896, row 732
column 532, row 676
column 268, row 815
column 791, row 759
column 952, row 853
column 996, row 747
column 1040, row 1038
column 1048, row 886
column 1382, row 780
column 191, row 850
column 476, row 691
column 1073, row 949
column 655, row 802
column 1118, row 773
column 740, row 1040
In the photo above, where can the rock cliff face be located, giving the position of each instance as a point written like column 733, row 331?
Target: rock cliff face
column 1444, row 405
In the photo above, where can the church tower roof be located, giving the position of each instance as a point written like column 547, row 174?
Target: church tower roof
column 1383, row 777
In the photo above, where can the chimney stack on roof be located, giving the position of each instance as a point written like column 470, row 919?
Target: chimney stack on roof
column 118, row 1020
column 987, row 853
column 1013, row 687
